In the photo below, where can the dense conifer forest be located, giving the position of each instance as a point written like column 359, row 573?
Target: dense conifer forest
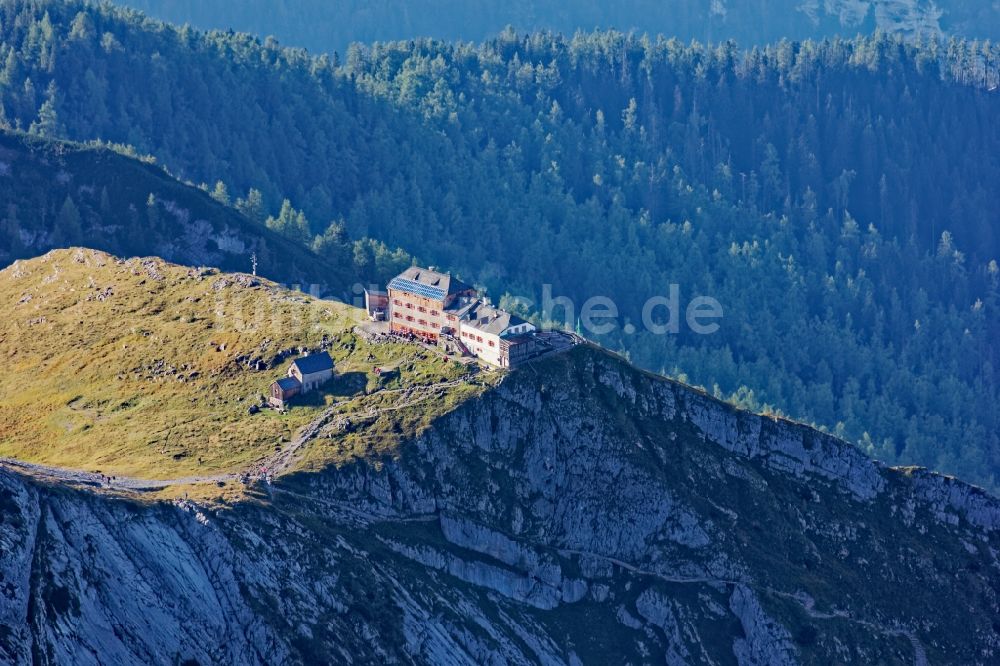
column 838, row 198
column 328, row 25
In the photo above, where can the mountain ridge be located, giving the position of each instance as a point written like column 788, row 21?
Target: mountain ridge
column 799, row 184
column 419, row 507
column 577, row 509
column 528, row 547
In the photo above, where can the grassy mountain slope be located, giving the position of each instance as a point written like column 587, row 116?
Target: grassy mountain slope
column 58, row 194
column 581, row 511
column 140, row 367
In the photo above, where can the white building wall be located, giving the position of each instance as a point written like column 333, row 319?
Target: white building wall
column 521, row 329
column 480, row 343
column 311, row 381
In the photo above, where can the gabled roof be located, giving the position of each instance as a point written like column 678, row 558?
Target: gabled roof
column 427, row 283
column 461, row 305
column 494, row 321
column 288, row 383
column 313, row 363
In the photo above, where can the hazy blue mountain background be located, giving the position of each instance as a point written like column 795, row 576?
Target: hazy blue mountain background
column 839, row 198
column 328, row 25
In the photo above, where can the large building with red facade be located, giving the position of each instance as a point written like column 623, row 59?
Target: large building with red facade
column 429, row 304
column 426, row 303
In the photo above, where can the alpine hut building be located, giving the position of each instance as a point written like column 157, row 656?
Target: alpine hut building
column 426, row 303
column 312, row 370
column 431, row 305
column 306, row 374
column 284, row 390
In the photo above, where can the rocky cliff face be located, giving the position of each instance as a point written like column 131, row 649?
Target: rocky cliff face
column 914, row 18
column 581, row 512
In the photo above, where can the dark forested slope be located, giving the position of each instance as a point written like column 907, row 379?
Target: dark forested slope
column 56, row 194
column 327, row 25
column 837, row 198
